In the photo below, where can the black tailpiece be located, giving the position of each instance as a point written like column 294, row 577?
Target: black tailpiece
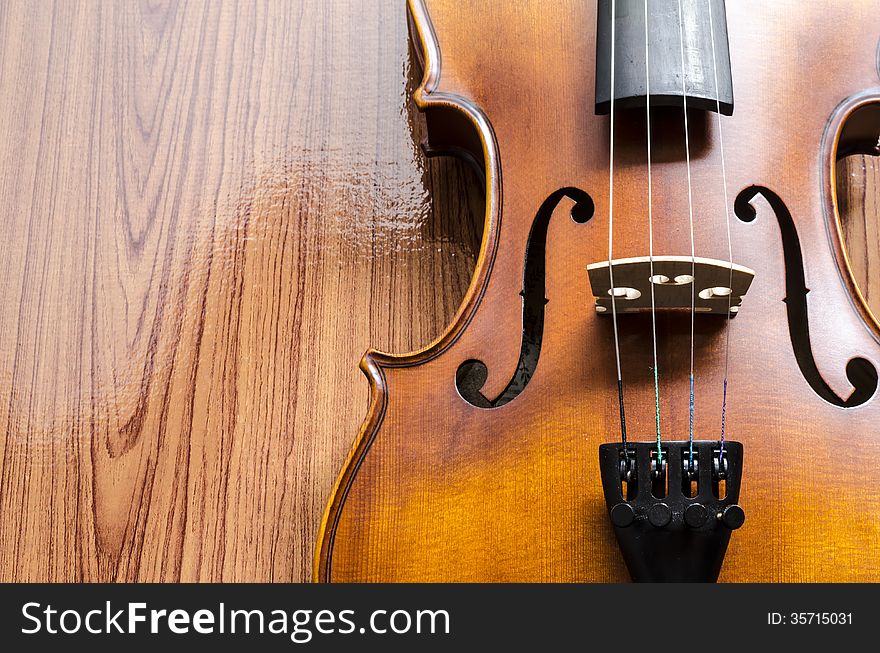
column 673, row 514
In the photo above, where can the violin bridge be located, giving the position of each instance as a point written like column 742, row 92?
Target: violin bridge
column 719, row 285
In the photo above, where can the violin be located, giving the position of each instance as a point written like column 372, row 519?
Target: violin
column 663, row 369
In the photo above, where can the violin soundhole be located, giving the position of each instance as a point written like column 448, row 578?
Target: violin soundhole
column 860, row 372
column 472, row 374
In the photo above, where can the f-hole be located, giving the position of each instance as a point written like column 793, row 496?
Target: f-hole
column 860, row 372
column 472, row 374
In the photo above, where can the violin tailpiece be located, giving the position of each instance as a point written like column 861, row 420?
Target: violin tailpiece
column 673, row 513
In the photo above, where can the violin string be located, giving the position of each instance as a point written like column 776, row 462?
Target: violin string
column 611, row 235
column 687, row 146
column 729, row 240
column 651, row 242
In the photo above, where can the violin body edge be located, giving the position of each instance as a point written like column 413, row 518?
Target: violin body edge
column 379, row 528
column 427, row 99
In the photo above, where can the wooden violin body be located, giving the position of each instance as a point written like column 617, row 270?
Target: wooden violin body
column 441, row 488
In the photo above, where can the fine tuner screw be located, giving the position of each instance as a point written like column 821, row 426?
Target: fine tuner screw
column 660, row 515
column 732, row 516
column 622, row 515
column 695, row 515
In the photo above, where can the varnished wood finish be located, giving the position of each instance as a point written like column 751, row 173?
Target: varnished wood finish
column 198, row 219
column 210, row 210
column 436, row 489
column 859, row 193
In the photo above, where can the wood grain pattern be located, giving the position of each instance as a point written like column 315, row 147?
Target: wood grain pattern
column 448, row 483
column 210, row 210
column 859, row 188
column 202, row 201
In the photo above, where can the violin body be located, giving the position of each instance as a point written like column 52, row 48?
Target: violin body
column 440, row 488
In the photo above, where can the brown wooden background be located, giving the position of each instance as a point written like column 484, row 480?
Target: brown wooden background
column 209, row 211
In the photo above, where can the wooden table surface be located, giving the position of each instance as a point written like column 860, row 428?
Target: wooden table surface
column 210, row 210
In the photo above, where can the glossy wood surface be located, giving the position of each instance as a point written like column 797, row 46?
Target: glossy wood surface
column 210, row 210
column 859, row 188
column 439, row 489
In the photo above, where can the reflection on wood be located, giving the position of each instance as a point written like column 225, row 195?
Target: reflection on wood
column 196, row 213
column 209, row 213
column 859, row 193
